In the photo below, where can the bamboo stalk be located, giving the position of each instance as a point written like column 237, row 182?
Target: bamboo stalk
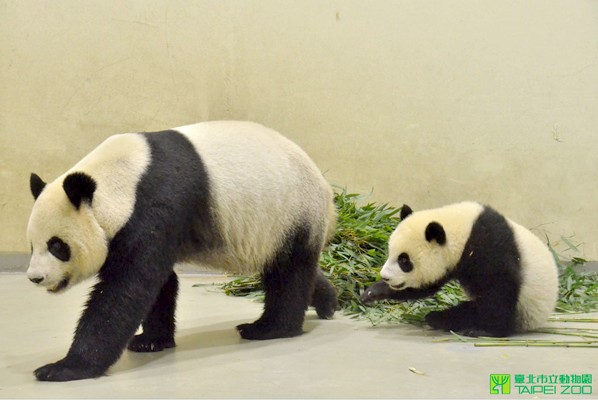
column 569, row 333
column 584, row 320
column 592, row 344
column 567, row 328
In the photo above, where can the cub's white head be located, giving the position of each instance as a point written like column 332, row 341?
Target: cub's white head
column 67, row 244
column 418, row 253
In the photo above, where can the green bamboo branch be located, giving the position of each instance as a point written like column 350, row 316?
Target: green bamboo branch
column 583, row 320
column 557, row 331
column 527, row 343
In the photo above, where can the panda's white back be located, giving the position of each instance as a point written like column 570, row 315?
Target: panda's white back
column 539, row 287
column 262, row 186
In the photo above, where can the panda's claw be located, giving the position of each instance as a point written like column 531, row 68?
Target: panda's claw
column 143, row 344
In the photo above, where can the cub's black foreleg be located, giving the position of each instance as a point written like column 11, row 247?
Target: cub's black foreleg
column 115, row 309
column 159, row 325
column 381, row 291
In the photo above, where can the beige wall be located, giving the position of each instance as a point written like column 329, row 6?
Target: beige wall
column 425, row 102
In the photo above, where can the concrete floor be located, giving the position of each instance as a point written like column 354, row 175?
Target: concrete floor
column 340, row 358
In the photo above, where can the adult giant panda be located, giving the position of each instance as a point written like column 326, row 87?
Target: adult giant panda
column 235, row 195
column 509, row 274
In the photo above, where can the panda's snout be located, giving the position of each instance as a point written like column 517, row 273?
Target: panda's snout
column 36, row 276
column 36, row 279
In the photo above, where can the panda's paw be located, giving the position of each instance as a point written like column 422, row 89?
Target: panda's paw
column 445, row 320
column 145, row 344
column 485, row 332
column 64, row 370
column 326, row 307
column 378, row 291
column 257, row 331
column 327, row 311
column 473, row 332
column 438, row 320
column 324, row 299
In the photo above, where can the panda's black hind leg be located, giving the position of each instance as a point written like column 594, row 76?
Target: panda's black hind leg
column 288, row 284
column 324, row 297
column 159, row 325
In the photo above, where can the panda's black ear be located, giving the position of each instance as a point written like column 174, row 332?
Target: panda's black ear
column 405, row 211
column 435, row 231
column 37, row 185
column 79, row 187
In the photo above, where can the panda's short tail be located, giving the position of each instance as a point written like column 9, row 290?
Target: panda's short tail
column 332, row 220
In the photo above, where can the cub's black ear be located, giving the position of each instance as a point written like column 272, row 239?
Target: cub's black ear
column 79, row 187
column 435, row 231
column 37, row 185
column 405, row 211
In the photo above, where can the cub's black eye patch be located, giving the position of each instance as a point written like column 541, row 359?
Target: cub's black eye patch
column 405, row 263
column 59, row 249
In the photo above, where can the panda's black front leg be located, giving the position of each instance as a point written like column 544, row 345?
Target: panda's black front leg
column 159, row 325
column 115, row 309
column 382, row 291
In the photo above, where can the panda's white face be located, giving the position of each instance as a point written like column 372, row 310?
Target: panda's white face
column 67, row 244
column 413, row 261
column 427, row 245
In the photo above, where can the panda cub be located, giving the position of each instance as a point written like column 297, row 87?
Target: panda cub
column 509, row 275
column 233, row 195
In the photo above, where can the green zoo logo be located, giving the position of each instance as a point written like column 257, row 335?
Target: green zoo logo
column 574, row 384
column 500, row 384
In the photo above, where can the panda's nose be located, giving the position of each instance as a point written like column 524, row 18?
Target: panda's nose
column 37, row 279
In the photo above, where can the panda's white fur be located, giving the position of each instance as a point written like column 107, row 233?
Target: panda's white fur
column 244, row 199
column 232, row 195
column 539, row 289
column 532, row 265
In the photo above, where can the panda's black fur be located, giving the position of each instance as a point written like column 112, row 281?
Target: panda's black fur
column 490, row 269
column 137, row 283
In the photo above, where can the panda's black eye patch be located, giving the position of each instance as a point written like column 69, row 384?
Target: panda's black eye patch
column 59, row 249
column 405, row 263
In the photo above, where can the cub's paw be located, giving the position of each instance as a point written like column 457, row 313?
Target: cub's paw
column 257, row 331
column 484, row 332
column 438, row 320
column 378, row 291
column 65, row 370
column 146, row 344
